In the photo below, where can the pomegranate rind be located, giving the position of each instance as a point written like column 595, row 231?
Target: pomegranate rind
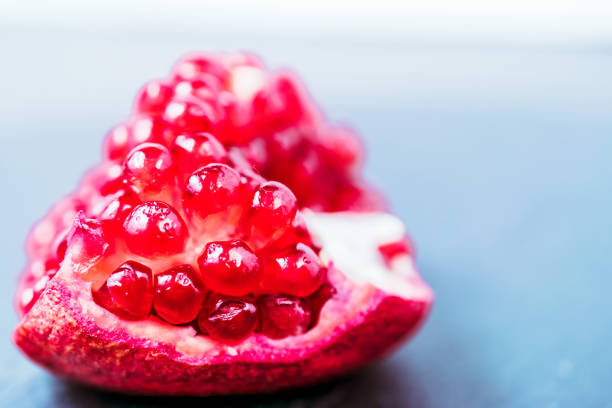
column 70, row 335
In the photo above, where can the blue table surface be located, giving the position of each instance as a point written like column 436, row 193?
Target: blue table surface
column 498, row 160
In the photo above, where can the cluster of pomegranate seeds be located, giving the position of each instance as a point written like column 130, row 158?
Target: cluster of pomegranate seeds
column 193, row 217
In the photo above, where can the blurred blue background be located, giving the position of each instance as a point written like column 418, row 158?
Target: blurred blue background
column 490, row 129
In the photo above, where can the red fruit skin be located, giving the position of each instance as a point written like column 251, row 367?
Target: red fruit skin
column 60, row 335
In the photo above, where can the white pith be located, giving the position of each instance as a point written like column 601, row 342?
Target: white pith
column 350, row 240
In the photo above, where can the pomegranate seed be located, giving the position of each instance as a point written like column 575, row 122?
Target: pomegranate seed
column 296, row 271
column 149, row 168
column 278, row 105
column 113, row 215
column 87, row 237
column 316, row 301
column 341, row 149
column 204, row 86
column 140, row 129
column 116, row 142
column 195, row 65
column 178, row 294
column 188, row 114
column 154, row 229
column 282, row 316
column 128, row 291
column 227, row 319
column 229, row 267
column 149, row 129
column 211, row 189
column 297, row 233
column 272, row 209
column 115, row 185
column 192, row 151
column 234, row 60
column 153, row 97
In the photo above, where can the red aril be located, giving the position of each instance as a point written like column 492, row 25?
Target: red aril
column 203, row 86
column 279, row 105
column 272, row 208
column 189, row 114
column 193, row 66
column 227, row 319
column 154, row 96
column 295, row 271
column 229, row 267
column 143, row 128
column 178, row 294
column 115, row 212
column 194, row 150
column 213, row 188
column 128, row 291
column 282, row 316
column 87, row 238
column 149, row 168
column 154, row 229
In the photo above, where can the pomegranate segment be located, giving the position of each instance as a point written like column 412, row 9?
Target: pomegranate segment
column 178, row 294
column 249, row 256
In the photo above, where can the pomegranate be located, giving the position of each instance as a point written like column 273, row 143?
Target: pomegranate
column 225, row 244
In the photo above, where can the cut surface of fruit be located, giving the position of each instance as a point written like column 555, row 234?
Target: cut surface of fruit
column 230, row 247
